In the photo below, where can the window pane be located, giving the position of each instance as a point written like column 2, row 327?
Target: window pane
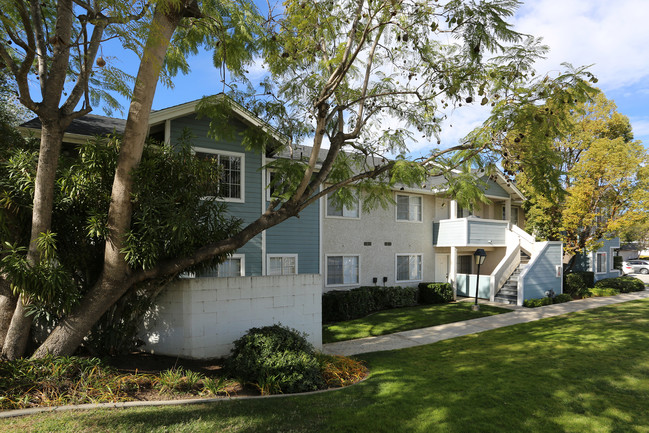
column 409, row 268
column 402, row 268
column 275, row 266
column 415, row 208
column 331, row 209
column 402, row 207
column 350, row 270
column 230, row 268
column 335, row 270
column 288, row 267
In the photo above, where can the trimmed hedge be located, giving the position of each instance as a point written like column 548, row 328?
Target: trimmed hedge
column 624, row 284
column 435, row 293
column 339, row 305
column 277, row 360
column 577, row 283
column 559, row 299
column 596, row 292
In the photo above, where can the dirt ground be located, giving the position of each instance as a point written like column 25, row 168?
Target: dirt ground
column 152, row 364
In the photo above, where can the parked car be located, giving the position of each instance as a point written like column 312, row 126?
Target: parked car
column 636, row 267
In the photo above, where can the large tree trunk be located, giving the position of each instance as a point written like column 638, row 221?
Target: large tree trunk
column 7, row 307
column 69, row 334
column 51, row 138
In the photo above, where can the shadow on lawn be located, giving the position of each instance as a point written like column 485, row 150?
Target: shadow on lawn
column 588, row 371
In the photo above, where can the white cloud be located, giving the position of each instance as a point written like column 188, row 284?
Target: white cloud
column 610, row 35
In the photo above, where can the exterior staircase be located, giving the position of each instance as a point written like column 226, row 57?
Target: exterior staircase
column 508, row 294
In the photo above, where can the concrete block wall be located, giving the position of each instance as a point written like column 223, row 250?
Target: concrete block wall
column 202, row 317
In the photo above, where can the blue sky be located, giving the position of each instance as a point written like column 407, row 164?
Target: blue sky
column 611, row 36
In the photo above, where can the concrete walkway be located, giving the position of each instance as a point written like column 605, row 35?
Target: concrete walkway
column 418, row 337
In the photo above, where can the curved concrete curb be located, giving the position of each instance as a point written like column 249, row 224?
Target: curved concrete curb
column 127, row 404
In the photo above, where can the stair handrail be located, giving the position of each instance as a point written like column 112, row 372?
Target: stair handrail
column 527, row 241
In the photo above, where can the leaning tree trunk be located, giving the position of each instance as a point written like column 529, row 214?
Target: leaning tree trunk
column 17, row 335
column 69, row 334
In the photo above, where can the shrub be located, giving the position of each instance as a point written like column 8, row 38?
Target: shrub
column 339, row 305
column 276, row 359
column 603, row 291
column 624, row 284
column 560, row 299
column 533, row 303
column 577, row 284
column 435, row 293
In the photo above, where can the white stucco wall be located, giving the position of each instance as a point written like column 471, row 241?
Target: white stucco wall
column 347, row 236
column 201, row 317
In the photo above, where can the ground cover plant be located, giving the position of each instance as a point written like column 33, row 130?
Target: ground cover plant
column 404, row 319
column 586, row 371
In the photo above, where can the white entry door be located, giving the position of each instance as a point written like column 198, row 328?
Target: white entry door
column 441, row 268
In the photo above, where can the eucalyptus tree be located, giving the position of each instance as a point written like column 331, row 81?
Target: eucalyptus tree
column 367, row 76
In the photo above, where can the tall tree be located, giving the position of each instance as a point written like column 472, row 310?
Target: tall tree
column 603, row 179
column 58, row 42
column 340, row 71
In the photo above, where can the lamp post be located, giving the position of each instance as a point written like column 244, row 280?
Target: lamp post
column 479, row 257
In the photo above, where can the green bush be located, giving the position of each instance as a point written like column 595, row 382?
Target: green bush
column 533, row 303
column 276, row 359
column 435, row 293
column 577, row 284
column 338, row 305
column 560, row 299
column 624, row 284
column 603, row 291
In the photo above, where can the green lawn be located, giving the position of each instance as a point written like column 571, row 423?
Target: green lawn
column 584, row 372
column 404, row 319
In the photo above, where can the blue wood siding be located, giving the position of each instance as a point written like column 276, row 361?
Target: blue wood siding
column 299, row 236
column 248, row 211
column 494, row 189
column 541, row 276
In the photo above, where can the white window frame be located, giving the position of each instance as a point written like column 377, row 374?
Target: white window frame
column 241, row 257
column 282, row 256
column 596, row 261
column 242, row 156
column 421, row 210
column 396, row 267
column 326, row 275
column 358, row 210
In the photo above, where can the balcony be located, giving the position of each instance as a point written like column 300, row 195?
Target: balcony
column 470, row 232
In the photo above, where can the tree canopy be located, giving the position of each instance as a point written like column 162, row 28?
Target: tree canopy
column 362, row 76
column 603, row 179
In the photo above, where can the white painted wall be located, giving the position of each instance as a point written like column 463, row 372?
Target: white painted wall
column 202, row 317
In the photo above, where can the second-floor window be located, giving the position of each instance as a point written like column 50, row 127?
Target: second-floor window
column 408, row 208
column 232, row 172
column 350, row 211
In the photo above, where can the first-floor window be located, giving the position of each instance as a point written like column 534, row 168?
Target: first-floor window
column 342, row 270
column 233, row 266
column 409, row 267
column 601, row 263
column 282, row 264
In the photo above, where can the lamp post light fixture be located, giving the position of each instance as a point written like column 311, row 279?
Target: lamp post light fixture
column 479, row 256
